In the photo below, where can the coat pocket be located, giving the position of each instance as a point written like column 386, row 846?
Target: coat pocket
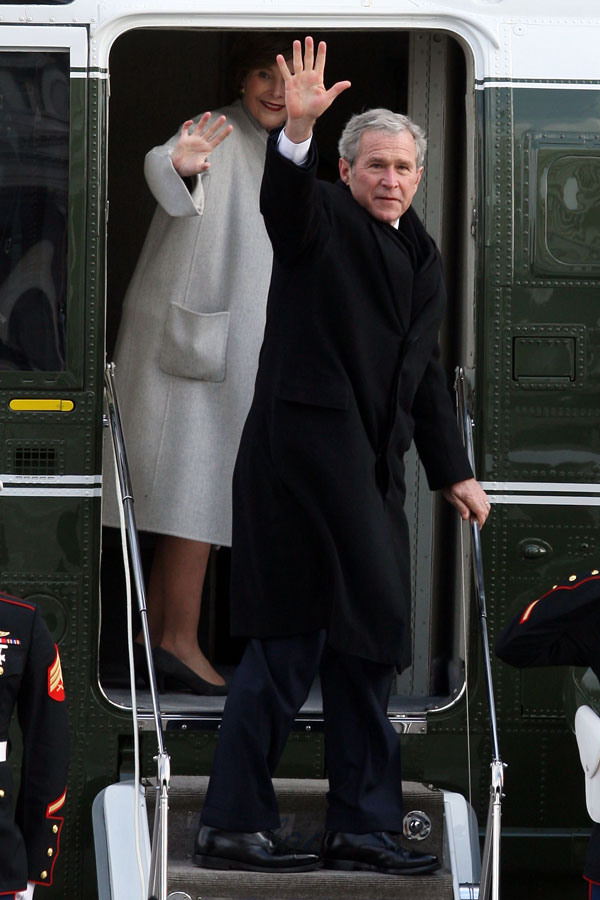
column 195, row 344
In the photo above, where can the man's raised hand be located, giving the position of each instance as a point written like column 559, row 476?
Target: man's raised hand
column 190, row 154
column 305, row 95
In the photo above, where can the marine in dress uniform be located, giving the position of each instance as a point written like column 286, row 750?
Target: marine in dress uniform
column 561, row 628
column 31, row 682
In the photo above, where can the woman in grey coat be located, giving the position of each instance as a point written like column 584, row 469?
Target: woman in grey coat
column 187, row 350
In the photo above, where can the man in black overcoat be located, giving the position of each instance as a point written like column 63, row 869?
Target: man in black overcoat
column 31, row 681
column 349, row 374
column 560, row 628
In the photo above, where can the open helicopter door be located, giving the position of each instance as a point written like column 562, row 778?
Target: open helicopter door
column 425, row 73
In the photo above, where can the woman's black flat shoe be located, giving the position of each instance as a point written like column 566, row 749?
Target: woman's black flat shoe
column 172, row 673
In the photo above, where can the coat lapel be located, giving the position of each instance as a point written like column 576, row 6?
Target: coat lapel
column 396, row 259
column 410, row 247
column 428, row 282
column 397, row 263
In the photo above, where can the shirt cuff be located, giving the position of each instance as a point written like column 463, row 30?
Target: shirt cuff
column 296, row 153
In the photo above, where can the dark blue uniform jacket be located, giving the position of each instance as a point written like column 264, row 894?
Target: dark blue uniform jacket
column 31, row 681
column 560, row 628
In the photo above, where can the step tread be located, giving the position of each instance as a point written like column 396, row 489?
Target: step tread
column 182, row 788
column 302, row 804
column 209, row 884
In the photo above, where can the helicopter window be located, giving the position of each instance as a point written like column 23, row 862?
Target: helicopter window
column 34, row 182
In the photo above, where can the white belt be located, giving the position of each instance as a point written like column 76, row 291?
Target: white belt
column 3, row 746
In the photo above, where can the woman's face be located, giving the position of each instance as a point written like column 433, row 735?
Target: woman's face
column 264, row 96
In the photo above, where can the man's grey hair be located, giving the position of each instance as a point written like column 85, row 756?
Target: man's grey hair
column 379, row 120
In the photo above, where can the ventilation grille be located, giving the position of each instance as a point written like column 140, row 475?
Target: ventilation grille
column 35, row 458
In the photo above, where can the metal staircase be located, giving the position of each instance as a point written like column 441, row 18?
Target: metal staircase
column 436, row 821
column 302, row 804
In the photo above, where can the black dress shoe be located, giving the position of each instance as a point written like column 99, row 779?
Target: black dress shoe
column 253, row 851
column 374, row 852
column 172, row 674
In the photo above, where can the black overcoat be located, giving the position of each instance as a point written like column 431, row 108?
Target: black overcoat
column 349, row 373
column 31, row 681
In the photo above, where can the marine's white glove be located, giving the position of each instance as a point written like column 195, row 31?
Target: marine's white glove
column 27, row 894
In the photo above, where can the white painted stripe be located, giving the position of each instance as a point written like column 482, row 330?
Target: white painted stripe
column 547, row 487
column 51, row 479
column 540, row 85
column 547, row 79
column 49, row 492
column 541, row 500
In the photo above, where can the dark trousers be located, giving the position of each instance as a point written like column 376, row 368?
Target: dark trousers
column 362, row 748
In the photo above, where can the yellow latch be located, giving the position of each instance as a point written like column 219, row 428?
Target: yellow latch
column 42, row 405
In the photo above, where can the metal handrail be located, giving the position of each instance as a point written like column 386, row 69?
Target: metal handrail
column 490, row 868
column 157, row 882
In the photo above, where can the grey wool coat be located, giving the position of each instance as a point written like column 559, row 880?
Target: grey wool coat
column 188, row 344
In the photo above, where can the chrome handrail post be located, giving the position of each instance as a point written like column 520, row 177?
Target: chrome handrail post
column 490, row 870
column 158, row 859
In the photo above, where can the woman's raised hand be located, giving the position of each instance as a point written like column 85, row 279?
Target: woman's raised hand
column 190, row 154
column 305, row 96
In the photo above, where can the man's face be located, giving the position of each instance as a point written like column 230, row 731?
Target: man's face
column 384, row 177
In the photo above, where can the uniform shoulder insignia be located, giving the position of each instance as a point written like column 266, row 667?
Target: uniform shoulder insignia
column 58, row 804
column 15, row 601
column 527, row 612
column 582, row 587
column 56, row 688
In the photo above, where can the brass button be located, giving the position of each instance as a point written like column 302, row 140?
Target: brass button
column 43, row 875
column 50, row 851
column 595, row 572
column 1, row 670
column 572, row 577
column 1, row 793
column 55, row 829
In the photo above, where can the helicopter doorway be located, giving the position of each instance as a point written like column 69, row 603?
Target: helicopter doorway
column 421, row 73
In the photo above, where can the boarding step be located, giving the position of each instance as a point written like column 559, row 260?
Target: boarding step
column 302, row 804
